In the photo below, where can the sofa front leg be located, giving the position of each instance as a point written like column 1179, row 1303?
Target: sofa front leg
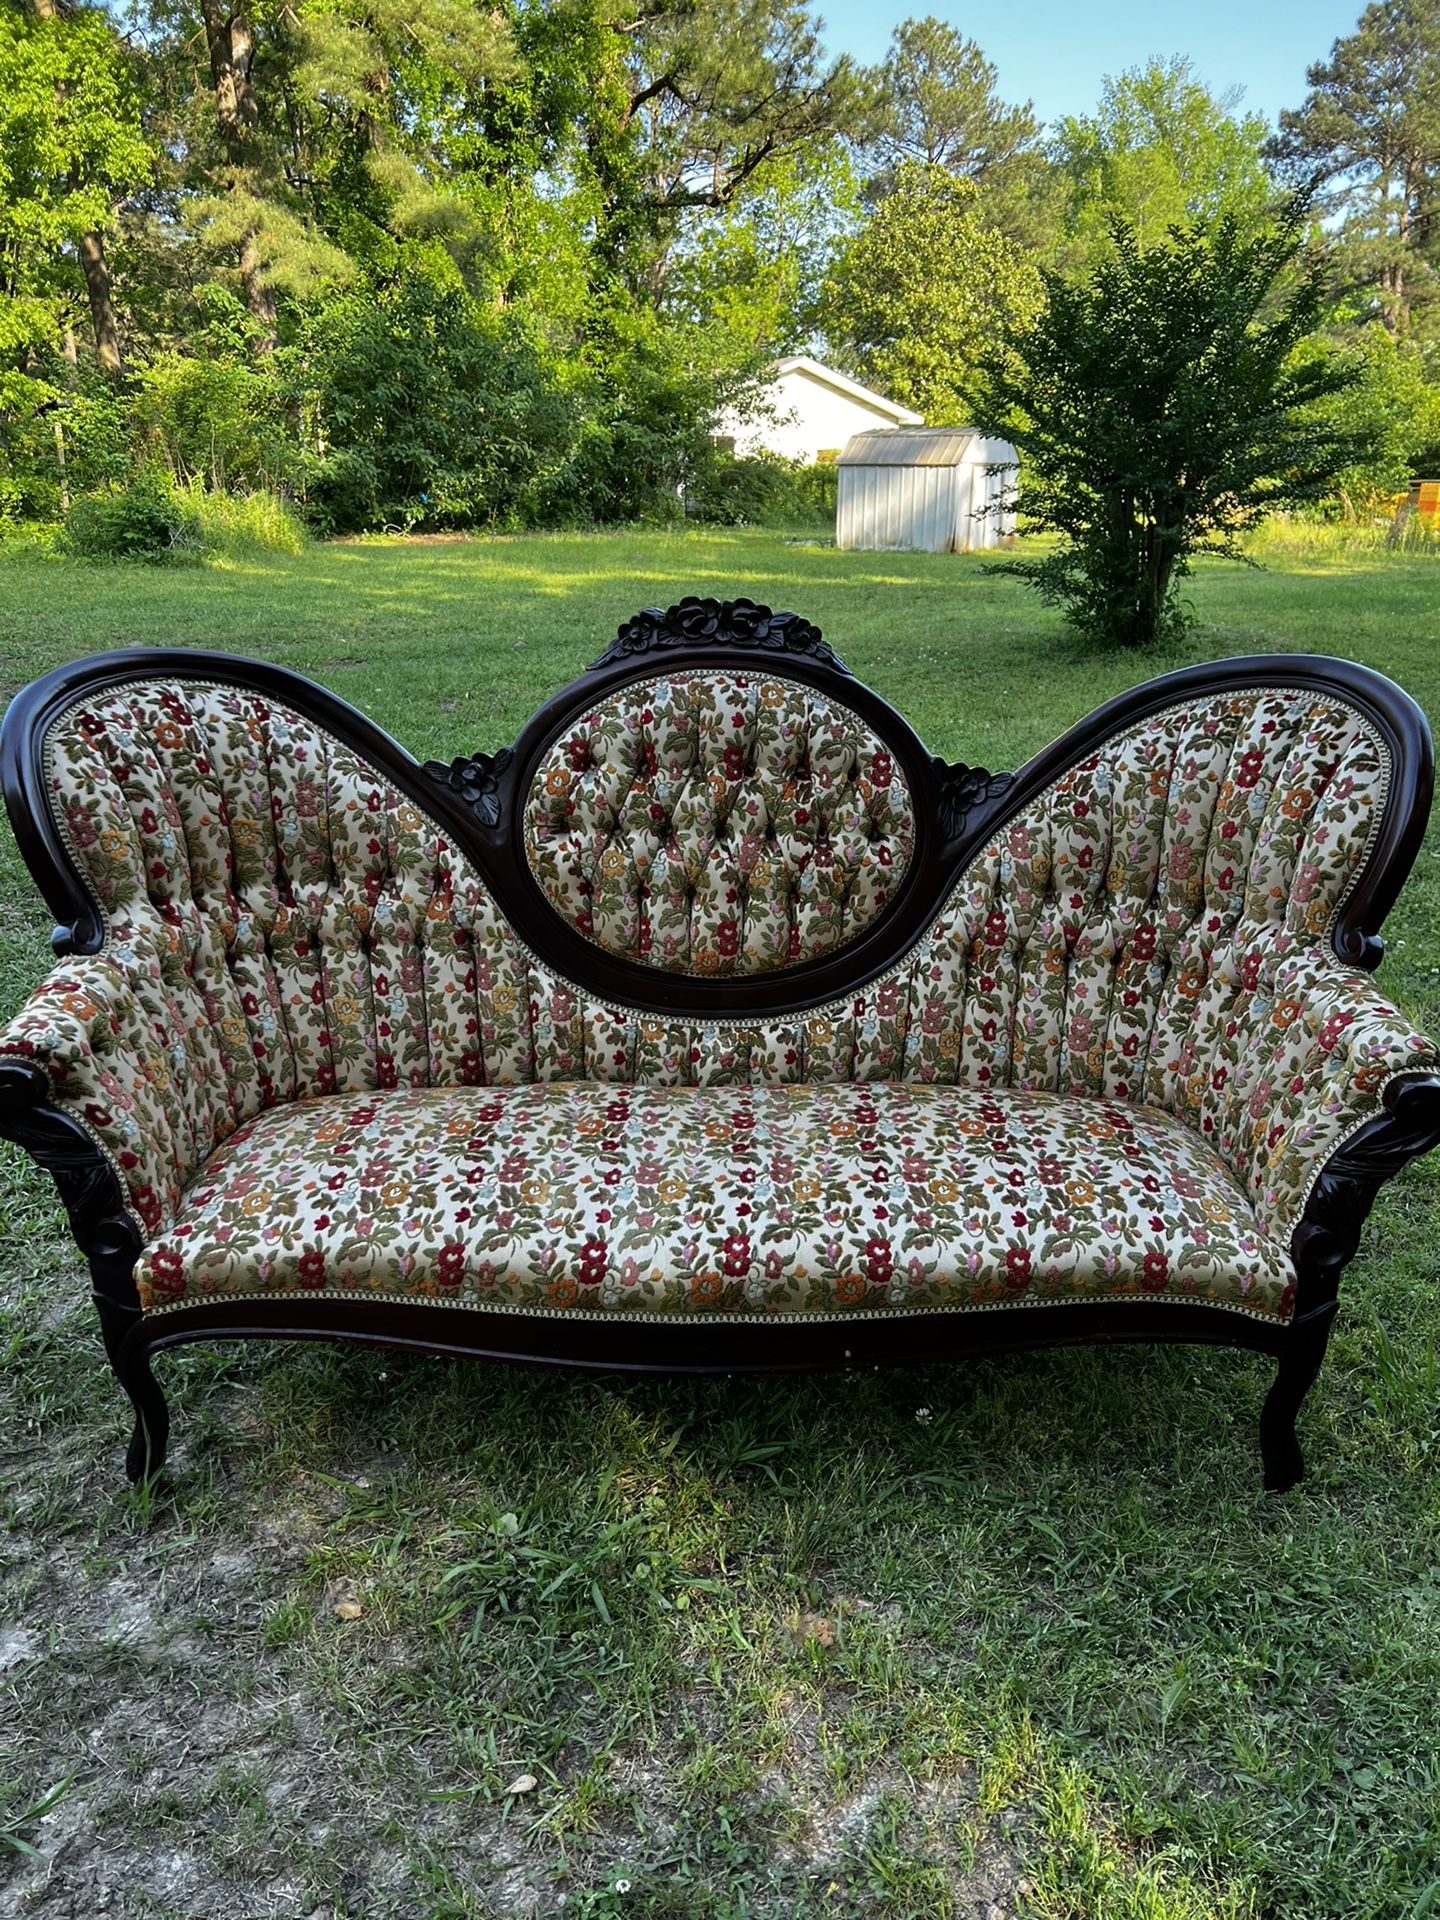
column 122, row 1330
column 1282, row 1460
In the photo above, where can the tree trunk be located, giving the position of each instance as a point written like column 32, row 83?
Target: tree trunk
column 230, row 45
column 102, row 305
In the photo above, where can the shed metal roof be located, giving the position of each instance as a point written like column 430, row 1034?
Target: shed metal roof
column 910, row 447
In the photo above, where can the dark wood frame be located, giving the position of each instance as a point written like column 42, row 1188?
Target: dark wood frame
column 477, row 799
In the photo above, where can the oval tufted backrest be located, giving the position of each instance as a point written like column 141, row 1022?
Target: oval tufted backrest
column 714, row 822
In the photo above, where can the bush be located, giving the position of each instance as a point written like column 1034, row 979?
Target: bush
column 217, row 419
column 1160, row 413
column 146, row 520
column 765, row 491
column 234, row 525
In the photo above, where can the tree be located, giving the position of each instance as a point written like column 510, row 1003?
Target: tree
column 1160, row 410
column 942, row 108
column 1159, row 149
column 1392, row 407
column 924, row 287
column 72, row 147
column 691, row 104
column 755, row 271
column 1370, row 126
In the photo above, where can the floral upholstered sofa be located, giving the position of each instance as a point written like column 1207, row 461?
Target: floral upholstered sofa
column 716, row 1025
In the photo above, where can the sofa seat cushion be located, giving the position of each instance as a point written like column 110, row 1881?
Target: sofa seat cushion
column 757, row 1201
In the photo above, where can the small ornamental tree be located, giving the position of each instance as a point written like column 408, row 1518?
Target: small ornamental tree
column 1161, row 409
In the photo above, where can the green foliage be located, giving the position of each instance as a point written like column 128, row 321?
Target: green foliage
column 942, row 108
column 424, row 410
column 242, row 526
column 71, row 137
column 1391, row 407
column 1160, row 149
column 1370, row 126
column 763, row 492
column 1161, row 411
column 218, row 419
column 145, row 520
column 924, row 290
column 444, row 265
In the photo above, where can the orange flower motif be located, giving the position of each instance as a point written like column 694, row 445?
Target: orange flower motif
column 707, row 1289
column 562, row 1293
column 849, row 1288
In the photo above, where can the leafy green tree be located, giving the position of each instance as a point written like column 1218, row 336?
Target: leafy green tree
column 754, row 272
column 72, row 148
column 924, row 289
column 1392, row 408
column 1159, row 149
column 1161, row 410
column 1370, row 127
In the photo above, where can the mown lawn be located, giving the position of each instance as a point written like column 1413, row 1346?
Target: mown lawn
column 1024, row 1636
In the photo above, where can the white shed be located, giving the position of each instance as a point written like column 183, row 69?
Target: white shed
column 929, row 489
column 811, row 412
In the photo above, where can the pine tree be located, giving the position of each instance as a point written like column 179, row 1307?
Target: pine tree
column 1370, row 128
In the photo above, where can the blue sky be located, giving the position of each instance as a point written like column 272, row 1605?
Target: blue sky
column 1057, row 52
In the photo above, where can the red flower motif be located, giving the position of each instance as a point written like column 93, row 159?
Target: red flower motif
column 879, row 1261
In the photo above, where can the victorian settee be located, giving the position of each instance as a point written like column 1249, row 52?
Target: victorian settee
column 716, row 1025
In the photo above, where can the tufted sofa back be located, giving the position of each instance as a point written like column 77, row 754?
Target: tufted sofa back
column 314, row 930
column 719, row 823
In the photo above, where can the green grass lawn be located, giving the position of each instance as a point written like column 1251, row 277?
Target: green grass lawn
column 1025, row 1634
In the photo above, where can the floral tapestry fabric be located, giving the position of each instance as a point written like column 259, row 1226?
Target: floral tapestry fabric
column 729, row 1200
column 719, row 824
column 281, row 925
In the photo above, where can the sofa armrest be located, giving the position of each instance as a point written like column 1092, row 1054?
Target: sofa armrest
column 126, row 1059
column 1297, row 1062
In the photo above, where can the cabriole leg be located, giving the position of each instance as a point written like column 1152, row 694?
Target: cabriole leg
column 1283, row 1462
column 123, row 1334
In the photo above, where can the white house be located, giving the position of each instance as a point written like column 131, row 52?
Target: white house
column 813, row 411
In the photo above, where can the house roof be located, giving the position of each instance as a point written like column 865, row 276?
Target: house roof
column 923, row 447
column 852, row 389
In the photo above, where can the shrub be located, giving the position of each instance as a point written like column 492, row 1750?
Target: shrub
column 234, row 525
column 146, row 520
column 763, row 491
column 217, row 419
column 1161, row 412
